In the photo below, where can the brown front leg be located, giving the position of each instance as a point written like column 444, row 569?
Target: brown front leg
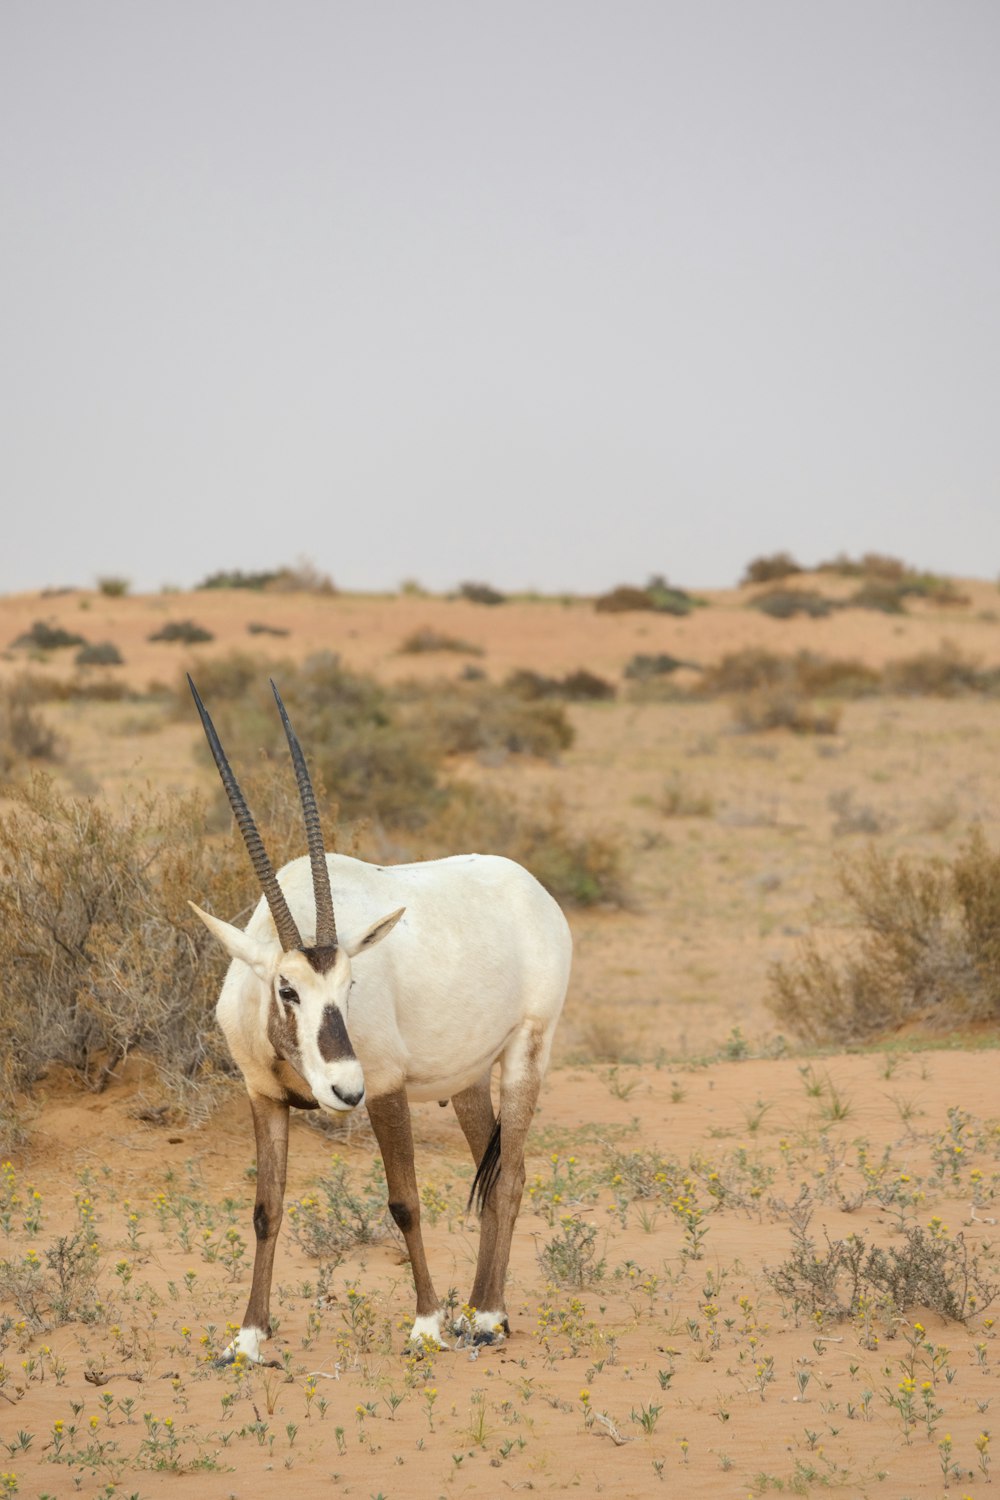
column 270, row 1124
column 390, row 1117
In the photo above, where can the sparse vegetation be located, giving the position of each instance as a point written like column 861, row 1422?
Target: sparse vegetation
column 24, row 733
column 645, row 666
column 926, row 947
column 303, row 578
column 780, row 707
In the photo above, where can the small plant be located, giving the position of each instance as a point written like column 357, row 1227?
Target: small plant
column 570, row 1257
column 771, row 568
column 481, row 593
column 785, row 604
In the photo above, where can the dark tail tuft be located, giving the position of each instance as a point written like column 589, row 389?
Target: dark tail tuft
column 487, row 1172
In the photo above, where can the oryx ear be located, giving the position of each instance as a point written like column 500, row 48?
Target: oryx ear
column 257, row 956
column 372, row 935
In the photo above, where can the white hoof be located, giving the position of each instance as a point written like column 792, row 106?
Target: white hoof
column 482, row 1328
column 246, row 1343
column 427, row 1328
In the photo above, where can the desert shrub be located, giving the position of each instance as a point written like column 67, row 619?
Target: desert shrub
column 570, row 1257
column 337, row 1217
column 851, row 816
column 644, row 666
column 425, row 638
column 185, row 632
column 783, row 707
column 44, row 636
column 869, row 565
column 576, row 687
column 481, row 593
column 784, row 604
column 922, row 1270
column 770, row 568
column 883, row 594
column 658, row 595
column 578, row 867
column 235, row 578
column 623, row 598
column 584, row 686
column 256, row 628
column 100, row 654
column 940, row 674
column 677, row 800
column 24, row 733
column 303, row 578
column 100, row 951
column 806, row 672
column 114, row 588
column 471, row 718
column 926, row 947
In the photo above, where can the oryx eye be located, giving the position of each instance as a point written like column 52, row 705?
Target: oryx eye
column 286, row 993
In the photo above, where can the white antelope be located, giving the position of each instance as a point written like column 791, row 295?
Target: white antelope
column 475, row 973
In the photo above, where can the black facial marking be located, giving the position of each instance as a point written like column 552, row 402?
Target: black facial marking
column 321, row 960
column 261, row 1223
column 332, row 1039
column 402, row 1216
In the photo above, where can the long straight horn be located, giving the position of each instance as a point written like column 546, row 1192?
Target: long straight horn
column 326, row 925
column 288, row 932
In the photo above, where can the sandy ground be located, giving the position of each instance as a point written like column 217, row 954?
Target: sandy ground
column 699, row 1375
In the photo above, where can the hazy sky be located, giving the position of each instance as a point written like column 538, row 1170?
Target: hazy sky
column 553, row 294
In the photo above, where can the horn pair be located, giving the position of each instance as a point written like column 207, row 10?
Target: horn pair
column 288, row 932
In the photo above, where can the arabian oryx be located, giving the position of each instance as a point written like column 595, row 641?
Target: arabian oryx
column 320, row 1013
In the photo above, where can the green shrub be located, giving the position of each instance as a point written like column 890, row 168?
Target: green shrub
column 44, row 636
column 784, row 604
column 100, row 654
column 481, row 593
column 642, row 667
column 114, row 588
column 926, row 948
column 256, row 628
column 185, row 632
column 235, row 578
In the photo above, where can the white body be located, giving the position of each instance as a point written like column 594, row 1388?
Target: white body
column 480, row 956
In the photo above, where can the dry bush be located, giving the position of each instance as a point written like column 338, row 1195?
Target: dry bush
column 771, row 568
column 677, row 800
column 576, row 687
column 926, row 948
column 100, row 952
column 303, row 578
column 645, row 666
column 426, row 638
column 782, row 707
column 869, row 565
column 577, row 867
column 944, row 673
column 24, row 733
column 473, row 718
column 806, row 672
column 785, row 604
column 235, row 578
column 38, row 687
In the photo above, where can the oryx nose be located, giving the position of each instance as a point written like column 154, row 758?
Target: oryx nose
column 347, row 1096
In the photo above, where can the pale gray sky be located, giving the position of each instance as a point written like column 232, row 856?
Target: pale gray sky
column 552, row 294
